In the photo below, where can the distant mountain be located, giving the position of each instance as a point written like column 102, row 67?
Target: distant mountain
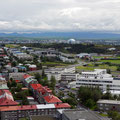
column 79, row 35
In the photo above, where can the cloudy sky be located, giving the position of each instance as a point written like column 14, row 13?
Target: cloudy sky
column 59, row 15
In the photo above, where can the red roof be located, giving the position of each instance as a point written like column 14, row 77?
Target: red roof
column 6, row 98
column 26, row 76
column 62, row 105
column 24, row 107
column 17, row 81
column 41, row 89
column 52, row 99
column 36, row 86
column 3, row 55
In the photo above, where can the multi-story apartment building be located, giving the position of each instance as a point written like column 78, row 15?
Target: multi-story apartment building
column 99, row 78
column 57, row 72
column 68, row 77
column 17, row 112
column 107, row 105
column 43, row 94
column 28, row 79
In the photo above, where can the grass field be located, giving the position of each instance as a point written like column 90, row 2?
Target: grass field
column 85, row 68
column 99, row 57
column 111, row 61
column 11, row 46
column 56, row 64
column 103, row 114
column 91, row 67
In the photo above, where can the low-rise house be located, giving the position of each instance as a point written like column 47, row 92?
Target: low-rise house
column 44, row 94
column 82, row 55
column 46, row 52
column 66, row 57
column 4, row 86
column 6, row 98
column 17, row 76
column 32, row 67
column 28, row 79
column 107, row 105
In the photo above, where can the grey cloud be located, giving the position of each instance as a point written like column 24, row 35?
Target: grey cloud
column 59, row 15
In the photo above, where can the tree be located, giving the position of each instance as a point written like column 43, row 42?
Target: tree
column 14, row 63
column 18, row 88
column 108, row 71
column 89, row 95
column 118, row 69
column 114, row 115
column 13, row 83
column 8, row 84
column 43, row 73
column 90, row 103
column 61, row 94
column 45, row 82
column 39, row 66
column 52, row 82
column 39, row 78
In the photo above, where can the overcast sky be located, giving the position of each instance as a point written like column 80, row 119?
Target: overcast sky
column 60, row 15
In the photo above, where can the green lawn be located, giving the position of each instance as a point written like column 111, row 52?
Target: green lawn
column 103, row 114
column 55, row 64
column 11, row 46
column 111, row 61
column 85, row 68
column 91, row 67
column 112, row 68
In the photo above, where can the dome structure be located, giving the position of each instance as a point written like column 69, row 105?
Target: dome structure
column 71, row 41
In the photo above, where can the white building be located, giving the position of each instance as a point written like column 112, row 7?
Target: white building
column 69, row 77
column 81, row 55
column 72, row 84
column 17, row 76
column 57, row 72
column 100, row 78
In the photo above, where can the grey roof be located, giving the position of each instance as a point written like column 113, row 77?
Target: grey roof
column 44, row 117
column 81, row 114
column 109, row 102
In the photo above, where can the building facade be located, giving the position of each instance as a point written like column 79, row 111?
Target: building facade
column 98, row 78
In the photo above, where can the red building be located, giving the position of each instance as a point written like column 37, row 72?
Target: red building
column 6, row 98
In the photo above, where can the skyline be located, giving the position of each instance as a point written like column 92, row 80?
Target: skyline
column 60, row 16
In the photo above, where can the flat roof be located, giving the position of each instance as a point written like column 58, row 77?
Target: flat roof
column 109, row 102
column 45, row 117
column 81, row 115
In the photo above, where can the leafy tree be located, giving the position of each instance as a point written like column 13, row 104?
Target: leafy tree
column 39, row 66
column 13, row 83
column 108, row 71
column 18, row 88
column 61, row 94
column 89, row 96
column 118, row 69
column 43, row 73
column 114, row 115
column 90, row 103
column 14, row 63
column 52, row 82
column 45, row 82
column 38, row 77
column 8, row 84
